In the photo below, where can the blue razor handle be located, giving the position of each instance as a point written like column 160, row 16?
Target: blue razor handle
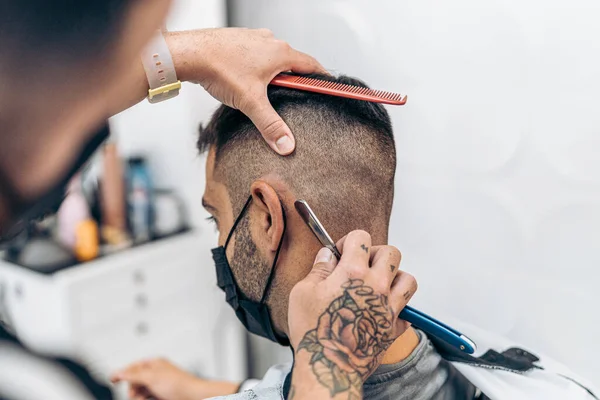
column 436, row 328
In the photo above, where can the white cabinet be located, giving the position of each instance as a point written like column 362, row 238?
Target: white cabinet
column 154, row 300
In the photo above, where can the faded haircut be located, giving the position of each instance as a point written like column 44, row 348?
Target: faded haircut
column 343, row 165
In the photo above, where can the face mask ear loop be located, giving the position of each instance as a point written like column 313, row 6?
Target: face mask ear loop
column 272, row 273
column 237, row 221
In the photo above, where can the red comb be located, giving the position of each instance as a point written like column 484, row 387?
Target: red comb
column 338, row 89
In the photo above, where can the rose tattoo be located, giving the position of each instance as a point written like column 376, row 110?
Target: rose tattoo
column 350, row 336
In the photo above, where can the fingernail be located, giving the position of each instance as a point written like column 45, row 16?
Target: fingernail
column 284, row 144
column 324, row 255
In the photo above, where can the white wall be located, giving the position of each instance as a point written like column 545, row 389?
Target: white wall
column 497, row 207
column 166, row 133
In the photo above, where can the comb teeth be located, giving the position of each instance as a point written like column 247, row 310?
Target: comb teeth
column 338, row 89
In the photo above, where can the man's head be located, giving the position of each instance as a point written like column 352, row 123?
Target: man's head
column 63, row 65
column 343, row 166
column 70, row 41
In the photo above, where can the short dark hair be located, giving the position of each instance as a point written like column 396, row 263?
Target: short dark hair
column 65, row 30
column 343, row 165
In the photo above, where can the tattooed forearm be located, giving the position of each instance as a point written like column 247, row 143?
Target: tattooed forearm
column 365, row 248
column 350, row 336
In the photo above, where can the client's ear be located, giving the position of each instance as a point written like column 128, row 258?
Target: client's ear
column 270, row 213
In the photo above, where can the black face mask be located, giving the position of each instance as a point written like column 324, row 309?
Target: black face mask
column 254, row 315
column 22, row 212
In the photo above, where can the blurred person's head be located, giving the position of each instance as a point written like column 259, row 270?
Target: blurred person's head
column 62, row 63
column 343, row 166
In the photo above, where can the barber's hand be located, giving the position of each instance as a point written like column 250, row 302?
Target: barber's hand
column 343, row 316
column 159, row 379
column 235, row 65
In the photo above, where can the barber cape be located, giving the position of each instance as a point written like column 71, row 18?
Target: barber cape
column 25, row 375
column 502, row 371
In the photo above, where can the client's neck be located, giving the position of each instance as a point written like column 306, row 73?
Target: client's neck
column 402, row 347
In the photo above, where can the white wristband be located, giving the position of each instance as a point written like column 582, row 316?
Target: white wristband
column 160, row 71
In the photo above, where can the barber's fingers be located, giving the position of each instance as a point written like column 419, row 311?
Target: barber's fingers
column 136, row 392
column 138, row 374
column 273, row 129
column 132, row 392
column 403, row 289
column 356, row 250
column 355, row 236
column 302, row 63
column 324, row 265
column 385, row 261
column 257, row 107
